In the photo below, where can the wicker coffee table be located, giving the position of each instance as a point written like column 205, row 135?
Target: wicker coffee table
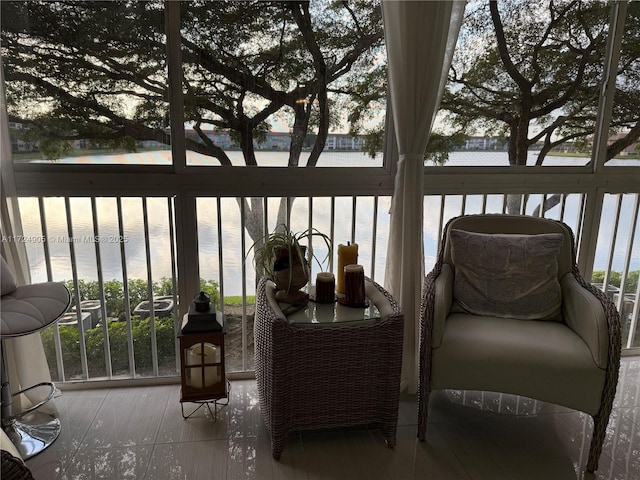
column 323, row 374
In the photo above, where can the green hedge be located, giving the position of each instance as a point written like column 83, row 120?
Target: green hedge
column 118, row 339
column 138, row 292
column 631, row 285
column 118, row 347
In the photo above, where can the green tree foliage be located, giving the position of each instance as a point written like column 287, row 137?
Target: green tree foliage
column 98, row 70
column 440, row 145
column 532, row 72
column 630, row 286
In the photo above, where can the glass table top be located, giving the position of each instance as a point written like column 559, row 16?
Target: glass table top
column 330, row 313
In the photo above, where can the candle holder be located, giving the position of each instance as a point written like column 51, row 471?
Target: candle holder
column 202, row 370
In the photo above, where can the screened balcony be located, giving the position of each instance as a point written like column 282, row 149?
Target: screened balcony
column 140, row 187
column 99, row 245
column 147, row 145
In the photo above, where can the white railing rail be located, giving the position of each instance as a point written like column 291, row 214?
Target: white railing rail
column 220, row 228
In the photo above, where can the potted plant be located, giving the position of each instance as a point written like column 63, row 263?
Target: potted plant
column 281, row 256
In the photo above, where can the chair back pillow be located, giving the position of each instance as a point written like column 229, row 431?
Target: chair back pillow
column 507, row 275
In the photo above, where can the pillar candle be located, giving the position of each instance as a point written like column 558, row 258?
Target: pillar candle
column 354, row 284
column 197, row 355
column 347, row 255
column 325, row 287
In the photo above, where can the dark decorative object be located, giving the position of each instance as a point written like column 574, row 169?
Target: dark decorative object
column 354, row 285
column 325, row 288
column 291, row 273
column 202, row 301
column 283, row 260
column 202, row 370
column 202, row 316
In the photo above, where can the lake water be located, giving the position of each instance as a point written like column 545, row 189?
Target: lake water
column 135, row 247
column 327, row 159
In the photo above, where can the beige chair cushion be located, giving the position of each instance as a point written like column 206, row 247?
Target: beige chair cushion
column 507, row 275
column 543, row 360
column 30, row 308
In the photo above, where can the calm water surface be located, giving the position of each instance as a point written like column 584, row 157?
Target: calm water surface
column 159, row 245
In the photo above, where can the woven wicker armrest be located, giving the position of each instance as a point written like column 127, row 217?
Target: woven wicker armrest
column 601, row 420
column 13, row 468
column 426, row 344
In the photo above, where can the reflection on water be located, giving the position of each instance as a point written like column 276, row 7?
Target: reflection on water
column 111, row 241
column 327, row 159
column 84, row 245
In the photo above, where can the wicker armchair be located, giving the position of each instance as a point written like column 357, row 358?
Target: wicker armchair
column 323, row 376
column 572, row 361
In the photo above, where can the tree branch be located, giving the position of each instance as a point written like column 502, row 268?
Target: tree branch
column 629, row 139
column 512, row 71
column 303, row 20
column 220, row 154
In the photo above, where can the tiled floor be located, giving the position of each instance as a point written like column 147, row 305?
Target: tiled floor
column 139, row 433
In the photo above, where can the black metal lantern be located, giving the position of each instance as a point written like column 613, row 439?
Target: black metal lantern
column 202, row 370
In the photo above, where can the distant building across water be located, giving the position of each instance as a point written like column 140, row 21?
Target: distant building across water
column 281, row 141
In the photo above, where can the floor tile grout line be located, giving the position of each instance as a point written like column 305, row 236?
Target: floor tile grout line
column 155, row 437
column 626, row 412
column 164, row 412
column 457, row 457
column 84, row 435
column 611, row 456
column 625, row 423
column 151, row 456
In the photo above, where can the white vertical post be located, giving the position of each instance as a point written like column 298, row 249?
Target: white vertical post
column 74, row 272
column 374, row 237
column 103, row 303
column 177, row 320
column 587, row 231
column 187, row 249
column 220, row 254
column 152, row 313
column 610, row 72
column 125, row 286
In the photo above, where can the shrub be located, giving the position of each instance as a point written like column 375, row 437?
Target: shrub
column 631, row 284
column 118, row 347
column 118, row 332
column 138, row 292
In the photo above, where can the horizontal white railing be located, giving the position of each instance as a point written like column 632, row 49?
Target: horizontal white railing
column 122, row 250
